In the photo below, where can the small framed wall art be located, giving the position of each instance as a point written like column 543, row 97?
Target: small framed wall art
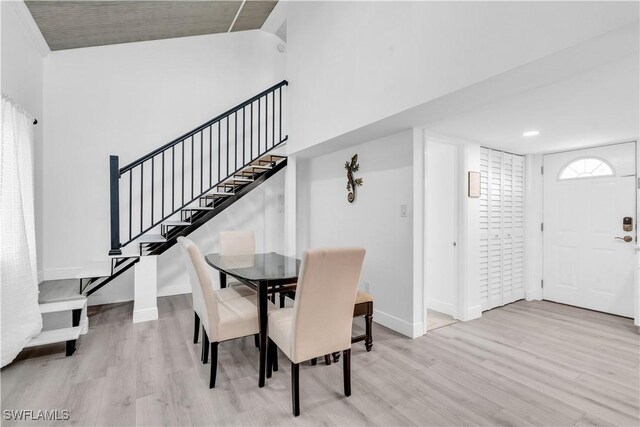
column 474, row 184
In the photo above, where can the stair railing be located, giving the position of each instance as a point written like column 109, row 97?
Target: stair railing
column 161, row 183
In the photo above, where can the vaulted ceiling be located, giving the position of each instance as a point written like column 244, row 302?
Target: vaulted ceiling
column 75, row 24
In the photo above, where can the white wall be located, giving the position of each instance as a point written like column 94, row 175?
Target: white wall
column 373, row 221
column 354, row 63
column 129, row 99
column 22, row 79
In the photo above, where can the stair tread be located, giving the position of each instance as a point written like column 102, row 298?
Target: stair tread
column 176, row 223
column 55, row 335
column 59, row 290
column 274, row 158
column 265, row 167
column 199, row 208
column 128, row 254
column 219, row 194
column 58, row 306
column 151, row 238
column 95, row 269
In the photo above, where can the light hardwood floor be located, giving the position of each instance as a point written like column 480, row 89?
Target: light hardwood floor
column 529, row 363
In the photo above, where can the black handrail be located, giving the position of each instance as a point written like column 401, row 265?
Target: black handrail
column 229, row 143
column 202, row 126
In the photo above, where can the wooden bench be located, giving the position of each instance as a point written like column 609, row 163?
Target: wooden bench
column 364, row 307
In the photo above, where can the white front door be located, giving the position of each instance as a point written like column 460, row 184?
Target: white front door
column 441, row 211
column 587, row 194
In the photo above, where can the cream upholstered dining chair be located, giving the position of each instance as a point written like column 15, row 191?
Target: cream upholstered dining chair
column 320, row 320
column 225, row 314
column 241, row 242
column 237, row 242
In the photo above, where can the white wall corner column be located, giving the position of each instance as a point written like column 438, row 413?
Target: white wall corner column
column 419, row 308
column 145, row 303
column 469, row 237
column 532, row 229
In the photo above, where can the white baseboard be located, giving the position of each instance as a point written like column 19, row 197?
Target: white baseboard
column 533, row 294
column 145, row 315
column 473, row 312
column 411, row 330
column 180, row 289
column 60, row 273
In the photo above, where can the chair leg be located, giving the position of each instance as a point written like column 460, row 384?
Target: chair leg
column 295, row 388
column 256, row 340
column 336, row 356
column 205, row 347
column 314, row 361
column 346, row 371
column 327, row 359
column 274, row 359
column 368, row 343
column 196, row 327
column 282, row 297
column 270, row 345
column 214, row 364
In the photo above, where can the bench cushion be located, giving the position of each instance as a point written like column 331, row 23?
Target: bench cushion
column 362, row 296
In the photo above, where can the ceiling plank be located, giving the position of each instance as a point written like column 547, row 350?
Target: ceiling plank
column 253, row 14
column 76, row 24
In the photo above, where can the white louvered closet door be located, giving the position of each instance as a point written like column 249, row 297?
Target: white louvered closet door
column 501, row 228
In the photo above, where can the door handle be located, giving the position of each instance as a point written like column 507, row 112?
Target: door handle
column 625, row 238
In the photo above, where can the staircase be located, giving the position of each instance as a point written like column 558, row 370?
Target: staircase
column 179, row 187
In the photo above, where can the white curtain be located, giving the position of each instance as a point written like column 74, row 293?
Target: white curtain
column 20, row 316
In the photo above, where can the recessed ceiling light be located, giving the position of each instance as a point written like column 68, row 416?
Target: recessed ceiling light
column 531, row 133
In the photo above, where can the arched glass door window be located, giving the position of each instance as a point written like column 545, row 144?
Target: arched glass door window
column 586, row 168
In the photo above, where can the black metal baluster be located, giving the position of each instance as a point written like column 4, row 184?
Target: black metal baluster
column 130, row 202
column 141, row 194
column 251, row 132
column 201, row 159
column 235, row 143
column 182, row 171
column 227, row 145
column 244, row 130
column 259, row 127
column 219, row 150
column 152, row 185
column 210, row 156
column 280, row 115
column 162, row 209
column 192, row 167
column 173, row 178
column 273, row 118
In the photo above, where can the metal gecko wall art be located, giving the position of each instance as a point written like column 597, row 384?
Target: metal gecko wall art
column 352, row 182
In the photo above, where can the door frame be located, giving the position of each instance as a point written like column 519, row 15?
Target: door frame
column 465, row 307
column 635, row 231
column 457, row 224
